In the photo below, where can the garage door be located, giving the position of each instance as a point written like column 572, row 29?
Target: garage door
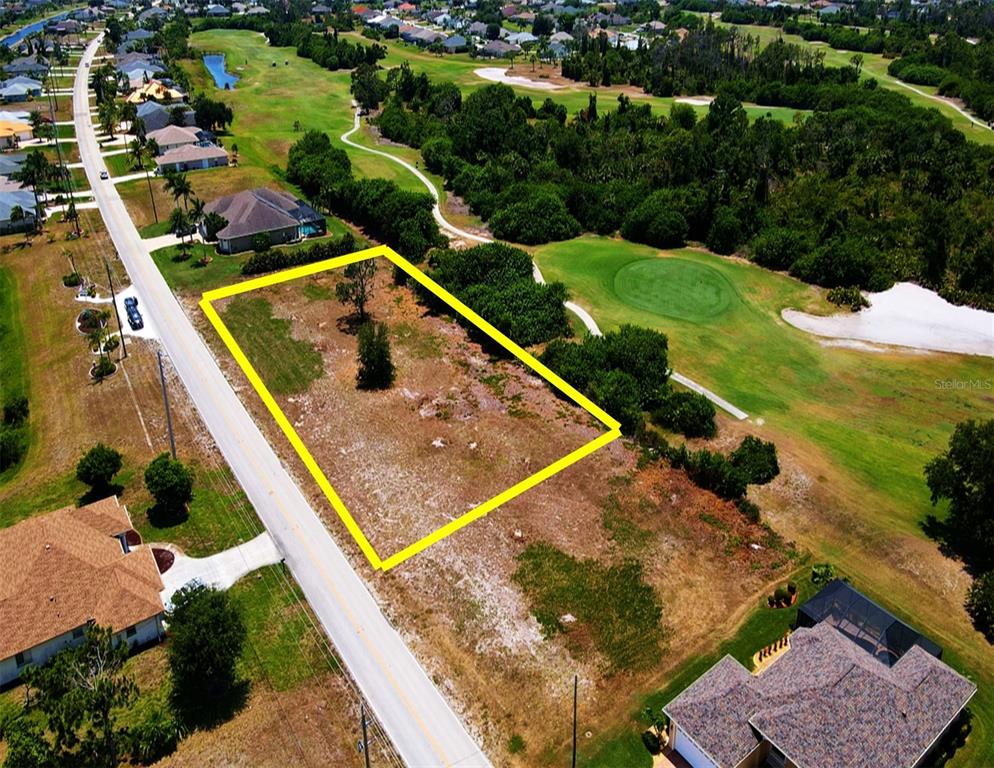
column 690, row 752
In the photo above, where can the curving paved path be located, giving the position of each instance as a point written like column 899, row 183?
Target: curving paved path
column 454, row 232
column 419, row 722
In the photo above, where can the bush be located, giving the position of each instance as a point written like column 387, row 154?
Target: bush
column 98, row 466
column 781, row 596
column 102, row 368
column 711, row 471
column 539, row 218
column 170, row 482
column 848, row 296
column 791, row 587
column 261, row 242
column 13, row 444
column 778, row 248
column 654, row 222
column 749, row 510
column 689, row 413
column 756, row 460
column 980, row 604
column 726, row 229
column 651, row 742
column 72, row 280
column 822, row 573
column 376, row 369
column 213, row 223
column 617, row 392
column 153, row 737
column 15, row 411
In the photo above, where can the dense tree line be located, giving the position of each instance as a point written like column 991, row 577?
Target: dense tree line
column 327, row 50
column 495, row 280
column 401, row 219
column 279, row 258
column 866, row 190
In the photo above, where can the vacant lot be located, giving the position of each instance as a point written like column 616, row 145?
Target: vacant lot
column 605, row 571
column 856, row 427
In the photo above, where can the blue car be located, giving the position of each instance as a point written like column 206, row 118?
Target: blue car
column 134, row 316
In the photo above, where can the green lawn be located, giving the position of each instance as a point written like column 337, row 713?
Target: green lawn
column 120, row 165
column 13, row 351
column 188, row 275
column 287, row 365
column 864, row 424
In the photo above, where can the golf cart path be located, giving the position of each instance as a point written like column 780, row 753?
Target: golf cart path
column 453, row 232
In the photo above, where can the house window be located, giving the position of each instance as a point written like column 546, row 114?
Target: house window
column 22, row 659
column 132, row 631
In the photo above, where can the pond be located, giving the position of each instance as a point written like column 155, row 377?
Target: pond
column 222, row 78
column 23, row 32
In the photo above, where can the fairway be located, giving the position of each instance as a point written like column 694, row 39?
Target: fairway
column 674, row 288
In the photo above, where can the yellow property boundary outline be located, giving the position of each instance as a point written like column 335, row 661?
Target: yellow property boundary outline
column 614, row 427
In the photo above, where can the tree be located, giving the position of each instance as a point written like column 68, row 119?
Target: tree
column 34, row 173
column 150, row 151
column 178, row 185
column 964, row 475
column 689, row 413
column 357, row 287
column 213, row 223
column 756, row 460
column 376, row 369
column 79, row 693
column 207, row 635
column 98, row 467
column 980, row 604
column 367, row 88
column 107, row 114
column 171, row 484
column 177, row 115
column 261, row 242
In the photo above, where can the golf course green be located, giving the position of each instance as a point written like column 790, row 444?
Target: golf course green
column 674, row 288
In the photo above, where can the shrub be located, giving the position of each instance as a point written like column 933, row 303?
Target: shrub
column 689, row 413
column 12, row 446
column 792, row 587
column 516, row 744
column 617, row 392
column 711, row 471
column 654, row 222
column 15, row 411
column 261, row 242
column 376, row 369
column 748, row 509
column 849, row 296
column 98, row 466
column 153, row 737
column 274, row 259
column 778, row 248
column 651, row 742
column 822, row 573
column 539, row 218
column 213, row 223
column 726, row 229
column 781, row 596
column 72, row 280
column 756, row 460
column 102, row 368
column 980, row 604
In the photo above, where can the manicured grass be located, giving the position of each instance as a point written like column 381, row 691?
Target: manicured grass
column 219, row 517
column 155, row 230
column 676, row 288
column 611, row 605
column 13, row 353
column 285, row 647
column 286, row 365
column 863, row 425
column 188, row 275
column 120, row 165
column 763, row 626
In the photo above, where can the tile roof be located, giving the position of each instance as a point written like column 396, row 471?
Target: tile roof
column 826, row 703
column 60, row 570
column 189, row 153
column 175, row 134
column 260, row 210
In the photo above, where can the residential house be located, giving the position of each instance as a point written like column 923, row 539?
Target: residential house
column 20, row 88
column 13, row 132
column 11, row 163
column 12, row 195
column 173, row 136
column 455, row 44
column 561, row 37
column 522, row 39
column 155, row 116
column 68, row 569
column 257, row 10
column 477, row 29
column 153, row 15
column 34, row 65
column 281, row 216
column 855, row 688
column 155, row 90
column 496, row 49
column 217, row 11
column 557, row 51
column 191, row 157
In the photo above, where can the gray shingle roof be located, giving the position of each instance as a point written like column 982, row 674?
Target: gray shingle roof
column 260, row 210
column 826, row 703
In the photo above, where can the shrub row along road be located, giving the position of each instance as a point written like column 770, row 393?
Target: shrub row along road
column 454, row 233
column 418, row 720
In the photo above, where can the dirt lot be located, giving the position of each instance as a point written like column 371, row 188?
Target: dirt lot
column 459, row 603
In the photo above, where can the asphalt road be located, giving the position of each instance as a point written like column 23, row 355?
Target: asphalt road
column 420, row 723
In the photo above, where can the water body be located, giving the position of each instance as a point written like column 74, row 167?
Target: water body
column 23, row 32
column 223, row 79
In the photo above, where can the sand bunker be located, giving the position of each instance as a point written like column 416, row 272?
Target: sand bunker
column 907, row 315
column 498, row 75
column 695, row 101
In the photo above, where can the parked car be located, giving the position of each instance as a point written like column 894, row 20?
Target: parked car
column 104, row 175
column 134, row 316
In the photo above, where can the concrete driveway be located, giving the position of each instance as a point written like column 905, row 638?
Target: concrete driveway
column 220, row 570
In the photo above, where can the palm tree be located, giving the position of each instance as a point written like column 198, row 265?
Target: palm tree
column 179, row 222
column 107, row 114
column 135, row 147
column 35, row 171
column 150, row 148
column 129, row 114
column 196, row 216
column 178, row 185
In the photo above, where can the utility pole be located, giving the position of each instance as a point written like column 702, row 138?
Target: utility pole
column 165, row 401
column 365, row 737
column 576, row 679
column 113, row 301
